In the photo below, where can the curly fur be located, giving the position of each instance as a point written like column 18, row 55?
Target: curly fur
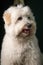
column 19, row 48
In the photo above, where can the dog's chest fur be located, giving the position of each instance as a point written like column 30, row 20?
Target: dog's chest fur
column 19, row 51
column 14, row 48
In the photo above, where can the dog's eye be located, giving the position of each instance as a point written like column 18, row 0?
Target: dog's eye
column 29, row 18
column 20, row 18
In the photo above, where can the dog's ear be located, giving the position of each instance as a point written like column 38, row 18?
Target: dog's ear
column 7, row 18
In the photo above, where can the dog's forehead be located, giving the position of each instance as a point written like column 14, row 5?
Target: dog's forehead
column 19, row 11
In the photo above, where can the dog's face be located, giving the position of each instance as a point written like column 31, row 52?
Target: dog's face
column 19, row 21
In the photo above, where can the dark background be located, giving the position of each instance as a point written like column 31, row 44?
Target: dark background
column 37, row 9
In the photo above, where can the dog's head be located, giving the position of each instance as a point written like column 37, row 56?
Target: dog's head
column 19, row 21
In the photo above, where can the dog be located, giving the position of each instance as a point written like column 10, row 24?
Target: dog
column 20, row 44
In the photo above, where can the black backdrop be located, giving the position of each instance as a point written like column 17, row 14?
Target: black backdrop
column 37, row 8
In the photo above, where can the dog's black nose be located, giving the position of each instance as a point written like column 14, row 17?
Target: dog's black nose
column 29, row 25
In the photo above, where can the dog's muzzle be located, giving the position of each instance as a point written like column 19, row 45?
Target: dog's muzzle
column 27, row 29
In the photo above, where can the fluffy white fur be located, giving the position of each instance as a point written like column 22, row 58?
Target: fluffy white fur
column 19, row 48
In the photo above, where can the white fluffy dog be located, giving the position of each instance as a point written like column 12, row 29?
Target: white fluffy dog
column 20, row 45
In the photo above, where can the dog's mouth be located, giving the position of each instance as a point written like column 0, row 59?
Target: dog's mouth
column 26, row 31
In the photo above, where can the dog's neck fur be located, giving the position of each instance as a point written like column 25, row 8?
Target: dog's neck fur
column 20, row 38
